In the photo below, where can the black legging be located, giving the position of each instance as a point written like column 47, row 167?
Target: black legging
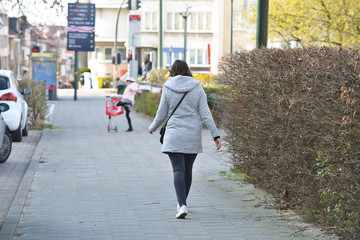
column 182, row 168
column 128, row 116
column 127, row 110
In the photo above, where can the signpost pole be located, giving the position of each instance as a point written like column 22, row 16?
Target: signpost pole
column 76, row 75
column 76, row 71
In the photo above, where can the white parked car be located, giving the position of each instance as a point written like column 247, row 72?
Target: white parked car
column 5, row 136
column 17, row 116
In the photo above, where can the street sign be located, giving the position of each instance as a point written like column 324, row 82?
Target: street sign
column 81, row 14
column 80, row 41
column 134, row 23
column 134, row 30
column 42, row 55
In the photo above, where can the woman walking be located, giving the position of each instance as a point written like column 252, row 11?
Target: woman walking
column 182, row 141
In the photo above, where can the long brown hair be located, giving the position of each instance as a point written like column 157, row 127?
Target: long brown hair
column 180, row 67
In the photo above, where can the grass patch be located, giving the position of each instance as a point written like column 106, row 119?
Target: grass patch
column 50, row 126
column 235, row 174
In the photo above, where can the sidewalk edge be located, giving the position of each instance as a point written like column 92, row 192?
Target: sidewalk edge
column 12, row 218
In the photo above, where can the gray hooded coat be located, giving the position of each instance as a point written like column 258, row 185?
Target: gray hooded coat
column 183, row 130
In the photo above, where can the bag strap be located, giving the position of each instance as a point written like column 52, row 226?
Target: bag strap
column 176, row 107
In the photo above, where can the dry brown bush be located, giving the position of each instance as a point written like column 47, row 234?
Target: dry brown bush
column 293, row 125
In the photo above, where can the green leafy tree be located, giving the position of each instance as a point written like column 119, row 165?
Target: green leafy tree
column 319, row 22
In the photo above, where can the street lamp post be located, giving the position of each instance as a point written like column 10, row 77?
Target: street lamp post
column 115, row 43
column 185, row 16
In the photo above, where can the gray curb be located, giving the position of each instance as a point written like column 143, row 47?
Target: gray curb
column 12, row 218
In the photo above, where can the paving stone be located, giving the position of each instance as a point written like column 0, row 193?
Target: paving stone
column 87, row 183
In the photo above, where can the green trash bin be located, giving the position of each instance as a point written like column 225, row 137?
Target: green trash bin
column 120, row 88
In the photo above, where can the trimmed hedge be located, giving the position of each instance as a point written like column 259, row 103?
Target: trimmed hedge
column 147, row 103
column 293, row 125
column 36, row 101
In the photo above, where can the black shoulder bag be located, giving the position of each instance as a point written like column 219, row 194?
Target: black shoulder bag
column 163, row 128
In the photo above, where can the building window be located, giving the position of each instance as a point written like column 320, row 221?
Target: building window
column 198, row 57
column 174, row 22
column 97, row 53
column 155, row 22
column 147, row 21
column 208, row 21
column 169, row 21
column 177, row 21
column 192, row 56
column 150, row 22
column 200, row 21
column 193, row 21
column 108, row 54
column 174, row 56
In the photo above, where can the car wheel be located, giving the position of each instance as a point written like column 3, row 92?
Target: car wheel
column 17, row 135
column 25, row 130
column 5, row 149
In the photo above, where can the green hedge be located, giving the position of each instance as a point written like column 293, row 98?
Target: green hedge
column 147, row 103
column 292, row 118
column 36, row 101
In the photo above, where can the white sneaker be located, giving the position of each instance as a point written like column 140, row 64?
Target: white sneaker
column 182, row 212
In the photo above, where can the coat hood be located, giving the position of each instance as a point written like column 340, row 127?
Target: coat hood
column 181, row 83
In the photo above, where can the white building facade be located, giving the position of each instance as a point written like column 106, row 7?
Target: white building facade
column 4, row 41
column 208, row 33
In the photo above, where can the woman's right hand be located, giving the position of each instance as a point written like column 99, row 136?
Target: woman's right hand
column 218, row 143
column 150, row 131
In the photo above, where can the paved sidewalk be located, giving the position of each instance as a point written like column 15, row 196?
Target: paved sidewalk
column 86, row 183
column 13, row 170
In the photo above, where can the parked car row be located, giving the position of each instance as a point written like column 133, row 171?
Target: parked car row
column 14, row 113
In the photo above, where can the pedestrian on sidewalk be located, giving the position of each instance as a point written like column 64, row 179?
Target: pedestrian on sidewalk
column 128, row 99
column 183, row 138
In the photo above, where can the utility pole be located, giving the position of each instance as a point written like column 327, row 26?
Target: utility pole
column 231, row 25
column 262, row 23
column 115, row 44
column 185, row 16
column 160, row 49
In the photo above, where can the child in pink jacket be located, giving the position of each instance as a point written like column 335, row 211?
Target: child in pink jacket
column 128, row 99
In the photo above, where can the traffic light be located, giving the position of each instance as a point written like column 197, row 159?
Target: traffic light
column 129, row 57
column 129, row 4
column 138, row 4
column 35, row 49
column 118, row 58
column 113, row 60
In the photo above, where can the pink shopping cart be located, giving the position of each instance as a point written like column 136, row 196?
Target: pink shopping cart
column 112, row 111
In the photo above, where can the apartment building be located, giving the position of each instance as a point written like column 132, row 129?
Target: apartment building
column 4, row 41
column 19, row 47
column 208, row 33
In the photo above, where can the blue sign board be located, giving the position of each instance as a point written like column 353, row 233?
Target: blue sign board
column 81, row 14
column 80, row 41
column 171, row 49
